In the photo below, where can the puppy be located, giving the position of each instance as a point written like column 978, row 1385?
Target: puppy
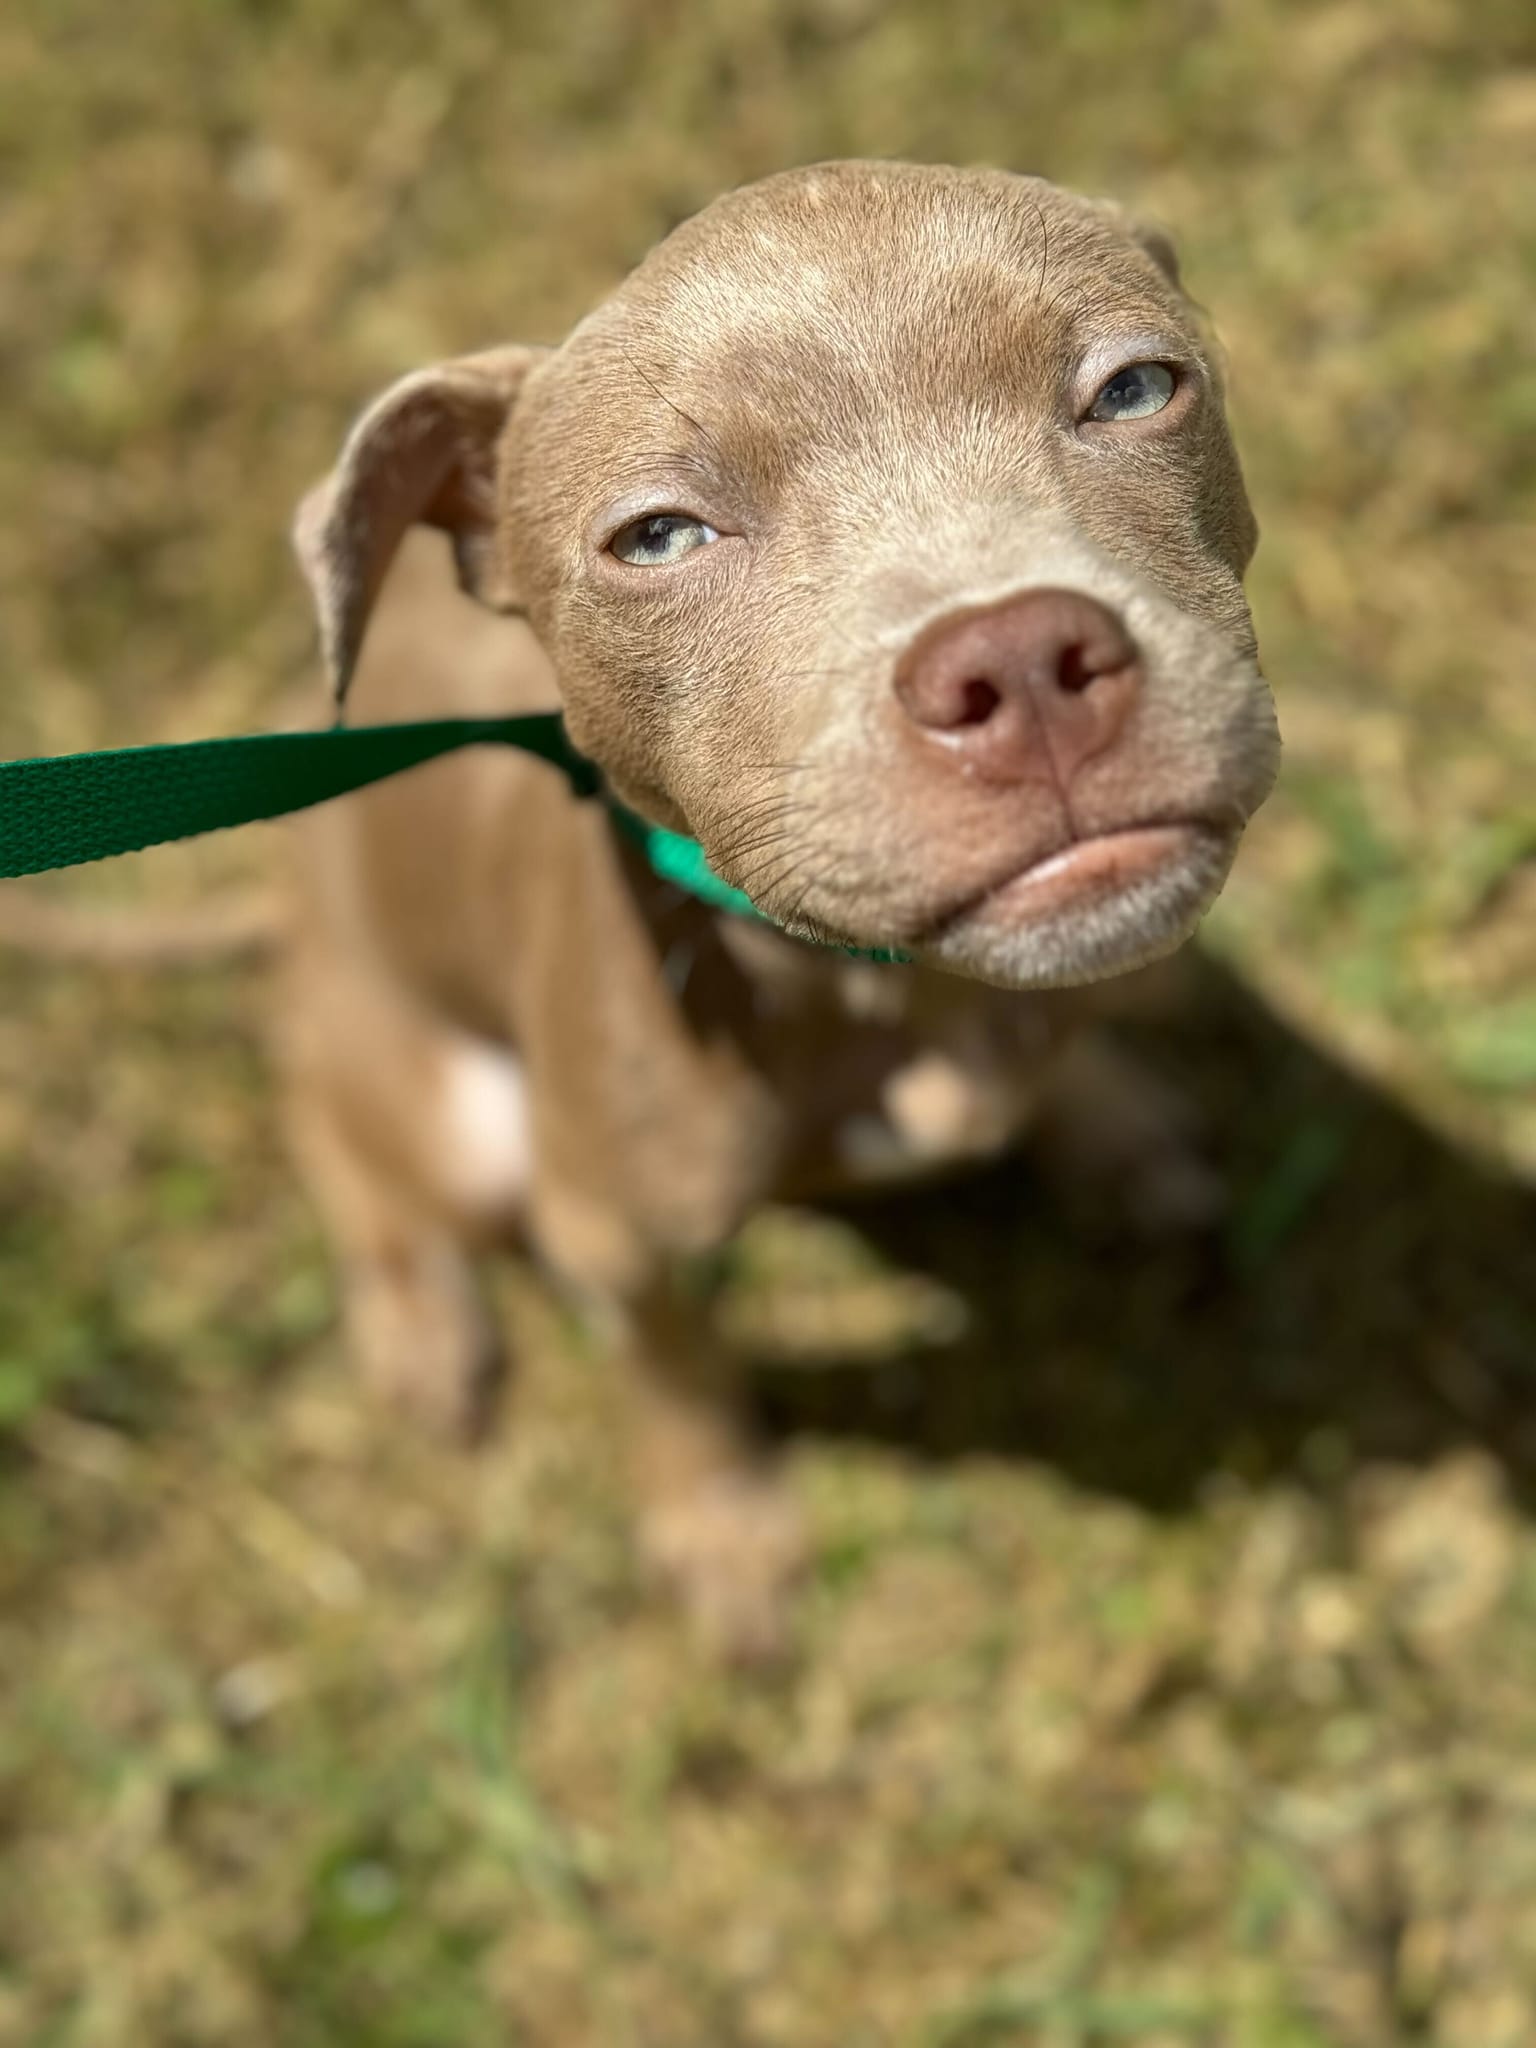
column 883, row 532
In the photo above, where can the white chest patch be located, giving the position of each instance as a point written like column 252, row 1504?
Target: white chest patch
column 487, row 1151
column 934, row 1111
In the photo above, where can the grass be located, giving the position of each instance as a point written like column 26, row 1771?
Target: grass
column 1166, row 1671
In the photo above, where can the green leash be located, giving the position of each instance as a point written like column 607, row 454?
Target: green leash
column 63, row 809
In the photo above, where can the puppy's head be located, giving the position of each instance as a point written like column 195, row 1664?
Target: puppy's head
column 886, row 534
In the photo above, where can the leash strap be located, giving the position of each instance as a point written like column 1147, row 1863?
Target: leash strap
column 61, row 810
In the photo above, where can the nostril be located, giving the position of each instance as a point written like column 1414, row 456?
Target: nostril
column 978, row 700
column 1073, row 672
column 1082, row 658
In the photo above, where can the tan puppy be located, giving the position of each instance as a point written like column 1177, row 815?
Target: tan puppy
column 883, row 532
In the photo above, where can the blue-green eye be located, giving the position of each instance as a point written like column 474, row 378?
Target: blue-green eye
column 660, row 538
column 1134, row 392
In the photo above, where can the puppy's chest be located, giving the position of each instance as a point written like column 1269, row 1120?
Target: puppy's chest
column 888, row 1086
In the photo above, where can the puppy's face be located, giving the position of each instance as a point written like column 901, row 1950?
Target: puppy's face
column 886, row 534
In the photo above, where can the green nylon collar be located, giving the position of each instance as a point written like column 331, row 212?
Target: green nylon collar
column 63, row 809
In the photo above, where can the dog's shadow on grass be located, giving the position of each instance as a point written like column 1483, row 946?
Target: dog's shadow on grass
column 1372, row 1295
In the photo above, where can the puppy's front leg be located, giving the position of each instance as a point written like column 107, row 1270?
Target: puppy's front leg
column 716, row 1520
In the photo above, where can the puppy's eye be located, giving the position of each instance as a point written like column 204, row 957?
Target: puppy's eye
column 659, row 538
column 1134, row 392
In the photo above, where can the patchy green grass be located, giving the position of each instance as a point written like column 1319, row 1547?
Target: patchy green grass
column 1167, row 1671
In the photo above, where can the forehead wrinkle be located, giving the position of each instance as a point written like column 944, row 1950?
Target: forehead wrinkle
column 828, row 260
column 971, row 349
column 849, row 302
column 899, row 326
column 643, row 464
column 852, row 258
column 888, row 329
column 824, row 235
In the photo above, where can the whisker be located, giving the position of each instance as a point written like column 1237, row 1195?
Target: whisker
column 744, row 835
column 760, row 818
column 768, row 845
column 656, row 391
column 781, row 875
column 797, row 910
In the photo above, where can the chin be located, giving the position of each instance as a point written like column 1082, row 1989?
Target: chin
column 1104, row 907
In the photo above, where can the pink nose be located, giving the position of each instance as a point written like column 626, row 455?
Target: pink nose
column 1041, row 682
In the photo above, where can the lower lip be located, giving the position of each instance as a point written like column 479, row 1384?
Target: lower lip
column 1094, row 867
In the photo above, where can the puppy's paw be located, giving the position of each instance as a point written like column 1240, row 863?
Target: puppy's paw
column 426, row 1343
column 731, row 1550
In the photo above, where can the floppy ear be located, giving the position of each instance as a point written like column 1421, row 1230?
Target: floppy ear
column 423, row 454
column 1150, row 237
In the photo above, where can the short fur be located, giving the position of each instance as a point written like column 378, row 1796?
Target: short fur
column 872, row 381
